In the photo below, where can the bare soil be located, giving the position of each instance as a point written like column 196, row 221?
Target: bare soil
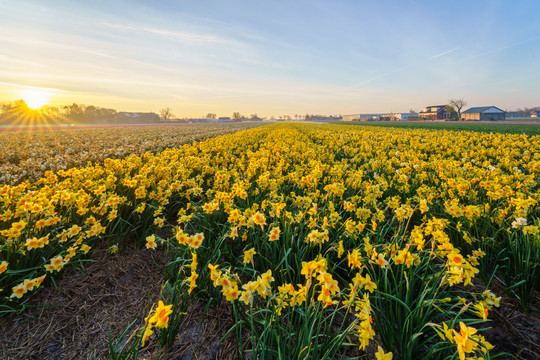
column 75, row 320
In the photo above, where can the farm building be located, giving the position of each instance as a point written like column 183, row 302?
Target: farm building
column 379, row 117
column 401, row 116
column 134, row 118
column 484, row 113
column 435, row 112
column 361, row 117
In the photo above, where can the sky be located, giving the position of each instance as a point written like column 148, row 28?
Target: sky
column 271, row 58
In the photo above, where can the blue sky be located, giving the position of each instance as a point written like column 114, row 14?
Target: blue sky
column 272, row 57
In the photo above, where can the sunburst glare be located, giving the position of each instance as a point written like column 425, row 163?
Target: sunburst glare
column 35, row 98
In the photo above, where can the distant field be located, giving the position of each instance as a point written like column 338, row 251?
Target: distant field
column 19, row 127
column 36, row 127
column 517, row 126
column 27, row 152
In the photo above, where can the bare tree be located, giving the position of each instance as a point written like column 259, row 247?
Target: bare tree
column 457, row 104
column 211, row 116
column 166, row 114
column 236, row 116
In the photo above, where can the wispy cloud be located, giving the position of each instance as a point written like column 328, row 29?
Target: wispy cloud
column 273, row 64
column 444, row 53
column 85, row 82
column 178, row 35
column 11, row 59
column 48, row 89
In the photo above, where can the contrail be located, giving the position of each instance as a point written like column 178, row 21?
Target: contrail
column 505, row 47
column 443, row 53
column 378, row 77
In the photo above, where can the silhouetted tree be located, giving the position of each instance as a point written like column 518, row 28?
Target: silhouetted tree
column 50, row 111
column 74, row 112
column 166, row 114
column 11, row 111
column 457, row 104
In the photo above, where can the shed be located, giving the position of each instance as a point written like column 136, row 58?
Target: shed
column 484, row 113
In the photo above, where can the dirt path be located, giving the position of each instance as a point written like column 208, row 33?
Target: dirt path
column 73, row 321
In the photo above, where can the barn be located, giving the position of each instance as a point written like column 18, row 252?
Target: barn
column 483, row 113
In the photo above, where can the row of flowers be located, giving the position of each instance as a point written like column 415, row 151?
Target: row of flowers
column 354, row 229
column 26, row 155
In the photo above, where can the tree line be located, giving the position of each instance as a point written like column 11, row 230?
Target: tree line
column 17, row 111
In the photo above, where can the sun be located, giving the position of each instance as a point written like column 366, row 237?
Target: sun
column 35, row 98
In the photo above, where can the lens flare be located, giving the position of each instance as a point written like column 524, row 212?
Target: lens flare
column 35, row 98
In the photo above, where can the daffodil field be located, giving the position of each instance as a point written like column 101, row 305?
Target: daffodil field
column 323, row 239
column 26, row 155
